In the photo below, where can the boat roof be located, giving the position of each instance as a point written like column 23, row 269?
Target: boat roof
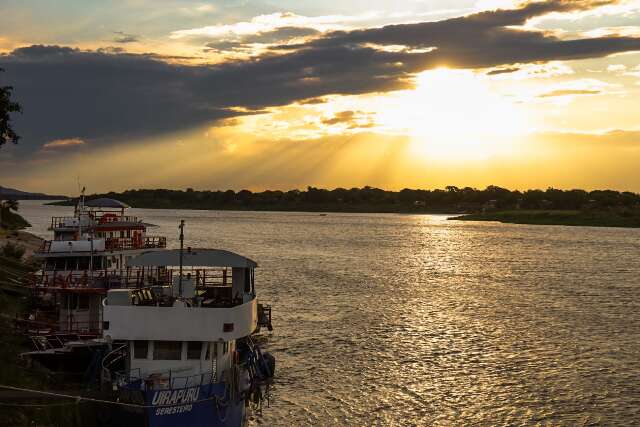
column 104, row 202
column 192, row 258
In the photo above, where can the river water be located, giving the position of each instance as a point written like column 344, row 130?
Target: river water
column 385, row 319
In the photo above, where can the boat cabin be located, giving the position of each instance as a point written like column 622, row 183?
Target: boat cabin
column 86, row 257
column 185, row 324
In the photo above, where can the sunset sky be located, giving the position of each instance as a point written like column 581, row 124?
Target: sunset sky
column 285, row 94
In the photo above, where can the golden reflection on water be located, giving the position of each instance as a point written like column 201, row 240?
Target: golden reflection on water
column 416, row 320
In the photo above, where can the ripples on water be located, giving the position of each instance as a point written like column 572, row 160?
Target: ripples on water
column 415, row 320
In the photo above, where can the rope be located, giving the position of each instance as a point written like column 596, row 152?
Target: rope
column 35, row 405
column 79, row 399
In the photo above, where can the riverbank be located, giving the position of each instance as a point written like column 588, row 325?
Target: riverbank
column 625, row 218
column 20, row 408
column 28, row 241
column 14, row 300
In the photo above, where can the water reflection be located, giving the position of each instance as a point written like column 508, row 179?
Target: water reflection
column 412, row 320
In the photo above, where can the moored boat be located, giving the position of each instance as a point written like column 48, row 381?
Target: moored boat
column 85, row 258
column 186, row 344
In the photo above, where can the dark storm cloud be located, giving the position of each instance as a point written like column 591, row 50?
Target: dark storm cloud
column 101, row 95
column 91, row 95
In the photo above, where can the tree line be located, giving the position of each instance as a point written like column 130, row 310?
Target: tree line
column 369, row 199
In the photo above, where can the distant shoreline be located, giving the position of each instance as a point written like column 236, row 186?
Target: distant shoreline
column 601, row 208
column 301, row 209
column 595, row 218
column 550, row 217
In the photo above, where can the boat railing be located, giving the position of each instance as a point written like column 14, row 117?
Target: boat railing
column 96, row 279
column 168, row 379
column 120, row 243
column 45, row 247
column 39, row 327
column 97, row 218
column 106, row 217
column 211, row 284
column 149, row 242
column 61, row 221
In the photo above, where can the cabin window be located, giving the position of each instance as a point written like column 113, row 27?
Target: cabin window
column 128, row 233
column 83, row 302
column 247, row 281
column 194, row 350
column 121, row 233
column 97, row 263
column 225, row 347
column 167, row 350
column 83, row 263
column 140, row 349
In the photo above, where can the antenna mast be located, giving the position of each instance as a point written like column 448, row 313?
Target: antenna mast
column 181, row 227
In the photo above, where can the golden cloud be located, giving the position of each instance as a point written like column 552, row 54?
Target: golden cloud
column 63, row 143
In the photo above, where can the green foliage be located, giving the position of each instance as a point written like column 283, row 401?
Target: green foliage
column 619, row 217
column 11, row 250
column 7, row 106
column 369, row 199
column 10, row 220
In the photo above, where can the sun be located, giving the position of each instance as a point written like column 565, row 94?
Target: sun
column 454, row 115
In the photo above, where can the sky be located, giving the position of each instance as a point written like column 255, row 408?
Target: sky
column 284, row 94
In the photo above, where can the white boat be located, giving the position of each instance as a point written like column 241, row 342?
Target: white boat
column 86, row 257
column 185, row 343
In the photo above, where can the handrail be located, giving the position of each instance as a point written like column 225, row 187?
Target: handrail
column 104, row 359
column 128, row 277
column 119, row 243
column 167, row 378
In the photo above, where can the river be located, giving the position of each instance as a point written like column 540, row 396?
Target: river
column 386, row 319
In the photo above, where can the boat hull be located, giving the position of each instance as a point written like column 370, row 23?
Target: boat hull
column 209, row 405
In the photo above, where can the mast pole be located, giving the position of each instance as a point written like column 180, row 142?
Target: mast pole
column 181, row 227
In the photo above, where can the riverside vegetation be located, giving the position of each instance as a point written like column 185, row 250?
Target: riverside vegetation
column 16, row 268
column 550, row 206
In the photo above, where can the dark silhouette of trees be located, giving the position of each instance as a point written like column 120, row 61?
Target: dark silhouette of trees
column 6, row 217
column 368, row 199
column 7, row 106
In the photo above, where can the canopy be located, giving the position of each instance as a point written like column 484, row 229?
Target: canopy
column 193, row 258
column 104, row 202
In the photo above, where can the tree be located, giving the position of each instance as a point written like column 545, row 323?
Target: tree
column 7, row 205
column 7, row 106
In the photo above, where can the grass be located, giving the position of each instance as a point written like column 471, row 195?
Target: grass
column 13, row 370
column 13, row 221
column 590, row 218
column 15, row 300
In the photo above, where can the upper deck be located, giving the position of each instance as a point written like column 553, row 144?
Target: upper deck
column 186, row 306
column 77, row 247
column 100, row 225
column 94, row 220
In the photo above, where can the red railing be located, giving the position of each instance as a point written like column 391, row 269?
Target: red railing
column 102, row 218
column 120, row 243
column 130, row 277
